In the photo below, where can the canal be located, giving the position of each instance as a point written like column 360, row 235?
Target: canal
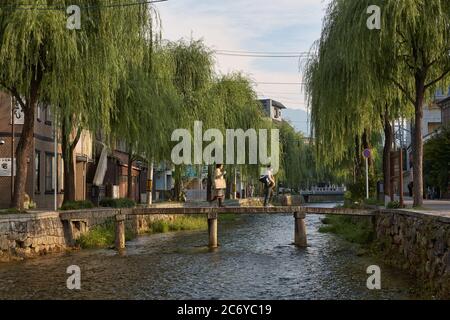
column 255, row 261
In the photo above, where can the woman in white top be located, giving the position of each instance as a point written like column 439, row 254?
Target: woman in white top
column 219, row 184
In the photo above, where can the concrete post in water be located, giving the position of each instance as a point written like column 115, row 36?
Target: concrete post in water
column 212, row 229
column 120, row 231
column 300, row 230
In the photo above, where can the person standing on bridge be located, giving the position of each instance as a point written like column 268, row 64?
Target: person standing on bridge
column 219, row 184
column 269, row 183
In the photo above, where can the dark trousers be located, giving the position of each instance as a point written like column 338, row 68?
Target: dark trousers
column 267, row 194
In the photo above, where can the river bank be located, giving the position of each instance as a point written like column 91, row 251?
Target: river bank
column 255, row 260
column 417, row 242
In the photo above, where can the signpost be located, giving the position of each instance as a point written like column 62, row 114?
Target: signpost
column 6, row 165
column 367, row 154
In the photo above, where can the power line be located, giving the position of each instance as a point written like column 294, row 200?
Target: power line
column 266, row 52
column 283, row 93
column 280, row 83
column 258, row 55
column 46, row 7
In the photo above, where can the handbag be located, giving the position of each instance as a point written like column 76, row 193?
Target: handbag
column 220, row 183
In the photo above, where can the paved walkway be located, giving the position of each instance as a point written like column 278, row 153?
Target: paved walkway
column 432, row 207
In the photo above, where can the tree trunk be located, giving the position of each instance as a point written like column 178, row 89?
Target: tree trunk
column 68, row 148
column 25, row 144
column 357, row 163
column 130, row 175
column 177, row 187
column 388, row 136
column 418, row 142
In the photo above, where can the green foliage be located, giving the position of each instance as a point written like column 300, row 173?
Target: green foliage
column 179, row 223
column 394, row 205
column 98, row 237
column 117, row 203
column 373, row 202
column 12, row 211
column 356, row 230
column 437, row 160
column 356, row 76
column 75, row 72
column 77, row 205
column 102, row 236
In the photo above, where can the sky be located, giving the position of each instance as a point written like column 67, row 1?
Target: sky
column 257, row 26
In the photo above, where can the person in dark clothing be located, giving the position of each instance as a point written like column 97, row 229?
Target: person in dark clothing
column 410, row 188
column 269, row 183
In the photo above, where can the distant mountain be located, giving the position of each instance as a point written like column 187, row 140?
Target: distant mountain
column 298, row 118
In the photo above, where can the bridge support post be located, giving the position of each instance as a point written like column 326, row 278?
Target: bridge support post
column 300, row 230
column 212, row 229
column 120, row 232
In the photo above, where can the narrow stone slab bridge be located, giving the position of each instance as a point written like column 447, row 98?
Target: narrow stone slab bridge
column 212, row 214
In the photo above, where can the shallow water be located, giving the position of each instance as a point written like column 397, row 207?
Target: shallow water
column 256, row 260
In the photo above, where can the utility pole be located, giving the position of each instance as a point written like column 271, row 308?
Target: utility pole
column 150, row 184
column 55, row 169
column 13, row 109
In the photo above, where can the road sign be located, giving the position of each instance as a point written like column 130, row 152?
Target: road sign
column 367, row 153
column 5, row 167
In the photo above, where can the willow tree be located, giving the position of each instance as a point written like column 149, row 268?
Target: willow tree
column 294, row 157
column 403, row 62
column 415, row 38
column 146, row 104
column 192, row 69
column 234, row 105
column 75, row 71
column 346, row 100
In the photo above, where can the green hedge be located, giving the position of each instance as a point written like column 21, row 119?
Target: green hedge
column 117, row 203
column 77, row 205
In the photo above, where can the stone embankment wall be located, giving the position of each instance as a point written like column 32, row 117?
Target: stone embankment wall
column 419, row 243
column 30, row 235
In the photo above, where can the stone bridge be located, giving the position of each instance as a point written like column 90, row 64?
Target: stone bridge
column 212, row 213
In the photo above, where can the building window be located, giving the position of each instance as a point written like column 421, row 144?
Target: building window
column 49, row 164
column 37, row 171
column 277, row 113
column 39, row 112
column 48, row 115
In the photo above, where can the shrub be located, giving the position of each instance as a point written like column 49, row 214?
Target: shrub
column 373, row 202
column 77, row 205
column 180, row 223
column 394, row 205
column 102, row 236
column 12, row 211
column 357, row 230
column 98, row 237
column 117, row 203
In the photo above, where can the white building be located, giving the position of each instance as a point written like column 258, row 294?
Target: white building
column 273, row 109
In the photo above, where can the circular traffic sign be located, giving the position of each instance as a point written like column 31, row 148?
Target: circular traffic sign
column 367, row 153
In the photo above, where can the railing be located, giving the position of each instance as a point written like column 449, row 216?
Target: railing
column 324, row 190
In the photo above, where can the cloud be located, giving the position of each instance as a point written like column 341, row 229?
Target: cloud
column 250, row 25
